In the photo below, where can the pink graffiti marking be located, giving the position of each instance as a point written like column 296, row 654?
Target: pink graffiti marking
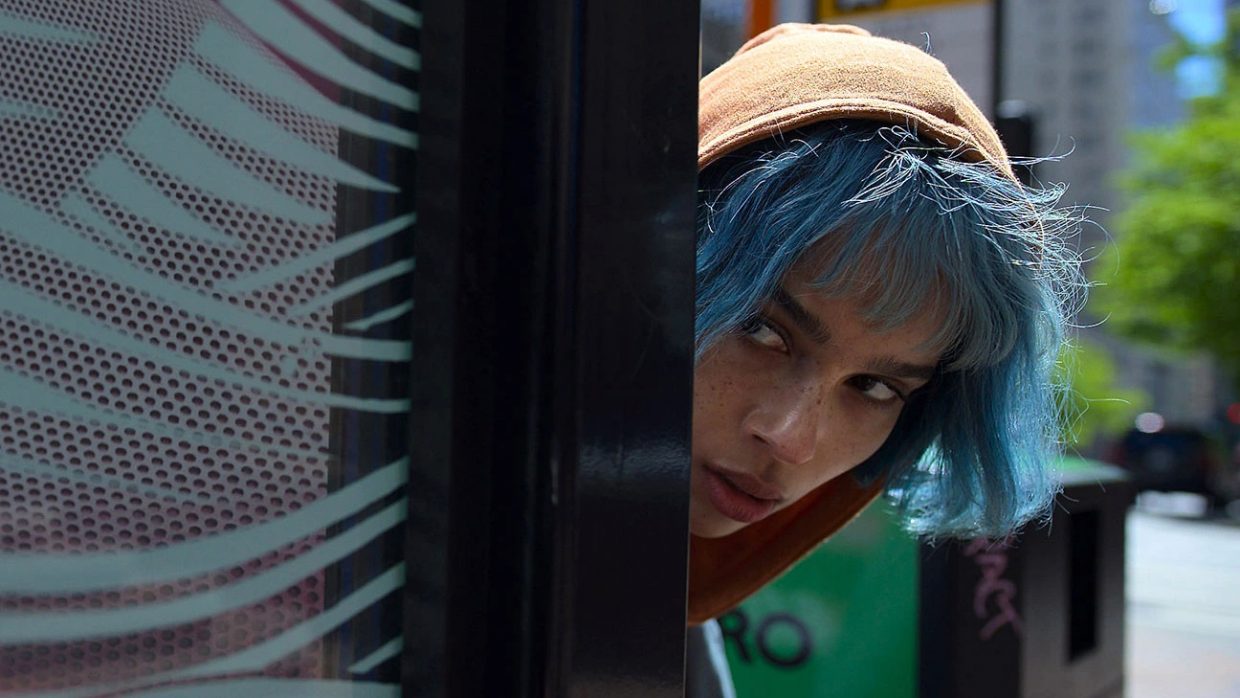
column 993, row 589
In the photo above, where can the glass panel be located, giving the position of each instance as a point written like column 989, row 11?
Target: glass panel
column 205, row 268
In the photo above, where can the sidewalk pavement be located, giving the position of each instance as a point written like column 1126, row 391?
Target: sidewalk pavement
column 1183, row 620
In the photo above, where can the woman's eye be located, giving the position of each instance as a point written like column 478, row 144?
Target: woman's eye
column 876, row 389
column 760, row 331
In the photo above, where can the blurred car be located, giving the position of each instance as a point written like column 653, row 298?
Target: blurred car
column 1175, row 459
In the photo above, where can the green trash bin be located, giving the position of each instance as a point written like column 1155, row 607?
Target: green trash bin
column 850, row 604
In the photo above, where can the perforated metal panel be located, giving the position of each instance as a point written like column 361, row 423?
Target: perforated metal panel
column 204, row 264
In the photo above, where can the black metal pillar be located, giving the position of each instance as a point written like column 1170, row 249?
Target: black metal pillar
column 553, row 349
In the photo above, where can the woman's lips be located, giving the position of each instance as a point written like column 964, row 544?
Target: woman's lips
column 739, row 496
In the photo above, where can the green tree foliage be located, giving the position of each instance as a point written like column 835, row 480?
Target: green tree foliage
column 1173, row 276
column 1092, row 404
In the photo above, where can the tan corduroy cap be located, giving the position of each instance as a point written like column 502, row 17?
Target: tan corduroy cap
column 798, row 74
column 785, row 78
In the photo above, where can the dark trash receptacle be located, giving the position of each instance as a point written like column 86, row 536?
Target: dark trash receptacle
column 1041, row 615
column 1038, row 615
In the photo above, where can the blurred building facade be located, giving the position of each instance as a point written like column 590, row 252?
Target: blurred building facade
column 1087, row 68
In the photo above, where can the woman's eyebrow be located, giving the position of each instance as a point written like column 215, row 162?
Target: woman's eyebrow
column 888, row 366
column 803, row 318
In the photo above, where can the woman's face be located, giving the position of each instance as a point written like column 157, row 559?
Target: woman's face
column 803, row 394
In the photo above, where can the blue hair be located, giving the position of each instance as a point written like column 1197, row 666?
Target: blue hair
column 970, row 453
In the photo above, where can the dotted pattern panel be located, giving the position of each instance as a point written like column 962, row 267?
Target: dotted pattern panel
column 176, row 456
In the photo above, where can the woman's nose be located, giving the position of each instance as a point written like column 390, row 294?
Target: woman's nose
column 787, row 421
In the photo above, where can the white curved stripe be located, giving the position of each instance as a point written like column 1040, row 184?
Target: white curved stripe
column 289, row 35
column 69, row 322
column 177, row 152
column 25, row 110
column 390, row 649
column 16, row 26
column 115, row 179
column 26, row 393
column 350, row 28
column 353, row 287
column 255, row 70
column 62, row 573
column 328, row 253
column 386, row 315
column 76, row 206
column 69, row 626
column 199, row 97
column 35, row 228
column 276, row 688
column 16, row 464
column 396, row 10
column 261, row 655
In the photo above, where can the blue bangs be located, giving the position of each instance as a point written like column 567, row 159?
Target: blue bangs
column 906, row 228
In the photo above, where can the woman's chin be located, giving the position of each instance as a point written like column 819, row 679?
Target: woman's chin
column 709, row 523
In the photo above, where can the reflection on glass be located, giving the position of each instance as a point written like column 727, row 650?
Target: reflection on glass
column 205, row 223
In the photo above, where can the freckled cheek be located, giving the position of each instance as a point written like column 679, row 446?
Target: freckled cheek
column 723, row 388
column 851, row 434
column 715, row 406
column 862, row 441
